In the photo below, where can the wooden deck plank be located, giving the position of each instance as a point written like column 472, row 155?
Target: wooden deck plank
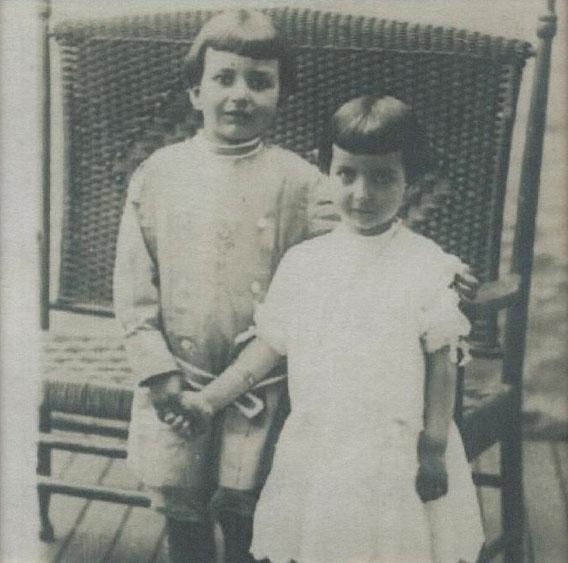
column 489, row 498
column 560, row 457
column 161, row 553
column 64, row 511
column 142, row 531
column 96, row 529
column 140, row 537
column 546, row 510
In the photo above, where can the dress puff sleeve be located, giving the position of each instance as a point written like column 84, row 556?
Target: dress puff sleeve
column 441, row 322
column 273, row 318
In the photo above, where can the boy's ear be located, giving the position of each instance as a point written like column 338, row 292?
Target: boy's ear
column 194, row 97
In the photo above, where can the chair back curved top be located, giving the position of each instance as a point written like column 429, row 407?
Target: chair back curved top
column 124, row 98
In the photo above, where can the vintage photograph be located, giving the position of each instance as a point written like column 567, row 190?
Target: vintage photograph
column 284, row 281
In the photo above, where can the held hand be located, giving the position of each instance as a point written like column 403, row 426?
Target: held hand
column 197, row 412
column 466, row 284
column 432, row 476
column 164, row 393
column 179, row 422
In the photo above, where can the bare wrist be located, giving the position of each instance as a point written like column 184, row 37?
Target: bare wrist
column 429, row 446
column 205, row 404
column 226, row 388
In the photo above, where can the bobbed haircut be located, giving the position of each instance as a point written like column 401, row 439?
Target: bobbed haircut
column 248, row 33
column 375, row 124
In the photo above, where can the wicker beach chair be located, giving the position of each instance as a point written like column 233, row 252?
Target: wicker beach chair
column 123, row 99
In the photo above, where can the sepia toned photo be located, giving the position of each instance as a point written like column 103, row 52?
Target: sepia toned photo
column 284, row 282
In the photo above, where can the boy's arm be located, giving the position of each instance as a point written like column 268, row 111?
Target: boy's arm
column 136, row 295
column 439, row 399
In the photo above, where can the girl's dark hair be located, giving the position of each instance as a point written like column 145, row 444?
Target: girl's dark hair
column 375, row 124
column 244, row 32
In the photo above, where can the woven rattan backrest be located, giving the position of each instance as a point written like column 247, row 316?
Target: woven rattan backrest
column 122, row 84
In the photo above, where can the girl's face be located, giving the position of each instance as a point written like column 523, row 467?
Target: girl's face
column 238, row 96
column 369, row 188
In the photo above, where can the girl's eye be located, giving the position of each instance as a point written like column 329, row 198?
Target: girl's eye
column 260, row 82
column 346, row 176
column 383, row 179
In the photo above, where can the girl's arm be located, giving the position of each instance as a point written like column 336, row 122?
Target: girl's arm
column 253, row 364
column 439, row 398
column 439, row 395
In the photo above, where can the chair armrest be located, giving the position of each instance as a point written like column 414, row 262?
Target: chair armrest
column 495, row 295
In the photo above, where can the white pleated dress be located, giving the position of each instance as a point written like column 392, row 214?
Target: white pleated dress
column 353, row 314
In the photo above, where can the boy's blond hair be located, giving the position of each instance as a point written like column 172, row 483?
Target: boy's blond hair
column 249, row 33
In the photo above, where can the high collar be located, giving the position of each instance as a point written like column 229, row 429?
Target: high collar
column 239, row 150
column 373, row 243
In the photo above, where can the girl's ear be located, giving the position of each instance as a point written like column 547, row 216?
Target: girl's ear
column 194, row 97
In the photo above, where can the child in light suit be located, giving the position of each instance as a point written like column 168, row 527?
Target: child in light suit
column 205, row 225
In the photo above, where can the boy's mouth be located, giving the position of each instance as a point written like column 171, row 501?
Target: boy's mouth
column 237, row 116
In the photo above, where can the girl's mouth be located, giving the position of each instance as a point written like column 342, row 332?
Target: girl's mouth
column 364, row 212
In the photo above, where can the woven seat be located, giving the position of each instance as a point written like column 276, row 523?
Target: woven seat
column 87, row 375
column 123, row 98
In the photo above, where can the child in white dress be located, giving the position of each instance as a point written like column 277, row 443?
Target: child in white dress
column 369, row 465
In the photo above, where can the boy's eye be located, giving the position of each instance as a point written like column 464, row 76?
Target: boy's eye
column 224, row 78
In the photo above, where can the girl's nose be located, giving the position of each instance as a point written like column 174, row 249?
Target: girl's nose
column 240, row 90
column 360, row 189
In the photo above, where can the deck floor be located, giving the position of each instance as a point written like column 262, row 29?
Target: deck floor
column 95, row 531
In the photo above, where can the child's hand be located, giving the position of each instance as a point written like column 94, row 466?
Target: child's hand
column 197, row 413
column 432, row 480
column 466, row 284
column 432, row 476
column 179, row 422
column 164, row 393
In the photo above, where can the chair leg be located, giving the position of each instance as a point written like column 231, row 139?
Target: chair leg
column 46, row 532
column 44, row 468
column 512, row 505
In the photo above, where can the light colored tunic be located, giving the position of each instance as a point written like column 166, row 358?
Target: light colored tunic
column 203, row 230
column 353, row 314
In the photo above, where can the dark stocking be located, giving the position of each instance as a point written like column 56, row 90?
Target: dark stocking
column 190, row 542
column 237, row 533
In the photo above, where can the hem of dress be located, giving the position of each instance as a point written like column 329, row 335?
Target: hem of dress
column 482, row 557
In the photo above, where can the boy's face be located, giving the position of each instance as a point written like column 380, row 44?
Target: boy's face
column 369, row 188
column 238, row 96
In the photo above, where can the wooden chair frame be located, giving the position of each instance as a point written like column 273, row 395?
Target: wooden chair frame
column 510, row 293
